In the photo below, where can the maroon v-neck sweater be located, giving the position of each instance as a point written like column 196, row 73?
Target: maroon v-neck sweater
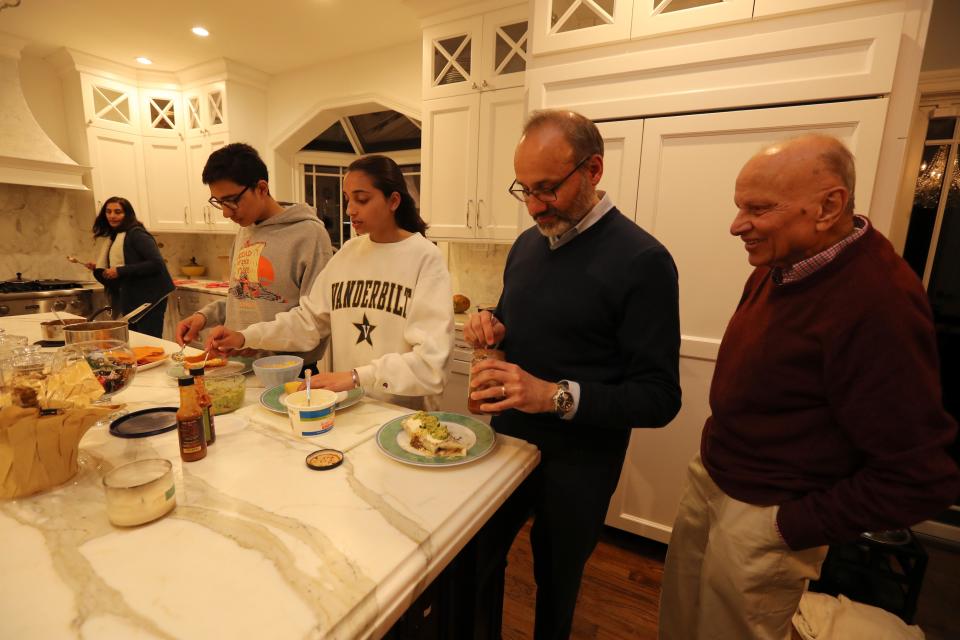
column 826, row 400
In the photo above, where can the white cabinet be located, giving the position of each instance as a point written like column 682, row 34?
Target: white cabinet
column 479, row 53
column 166, row 177
column 467, row 162
column 116, row 158
column 686, row 172
column 203, row 215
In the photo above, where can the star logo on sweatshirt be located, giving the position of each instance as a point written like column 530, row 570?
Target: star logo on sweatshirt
column 365, row 330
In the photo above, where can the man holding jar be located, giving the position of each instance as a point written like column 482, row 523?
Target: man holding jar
column 589, row 324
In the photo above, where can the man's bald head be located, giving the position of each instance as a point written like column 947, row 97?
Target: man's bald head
column 814, row 160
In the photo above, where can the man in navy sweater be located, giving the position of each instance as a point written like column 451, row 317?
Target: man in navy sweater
column 589, row 322
column 827, row 417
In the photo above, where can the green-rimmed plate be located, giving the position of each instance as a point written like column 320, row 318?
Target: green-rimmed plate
column 272, row 399
column 477, row 436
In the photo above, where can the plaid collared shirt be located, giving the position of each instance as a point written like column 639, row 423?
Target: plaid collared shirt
column 814, row 263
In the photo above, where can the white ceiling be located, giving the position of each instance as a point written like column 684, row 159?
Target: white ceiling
column 272, row 36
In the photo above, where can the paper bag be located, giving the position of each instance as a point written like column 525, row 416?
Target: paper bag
column 40, row 452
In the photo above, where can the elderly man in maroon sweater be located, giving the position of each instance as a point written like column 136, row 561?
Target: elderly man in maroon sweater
column 827, row 417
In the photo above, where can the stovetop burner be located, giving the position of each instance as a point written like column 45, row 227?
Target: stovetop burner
column 19, row 285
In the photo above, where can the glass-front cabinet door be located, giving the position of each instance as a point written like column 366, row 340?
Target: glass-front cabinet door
column 109, row 104
column 451, row 55
column 654, row 17
column 162, row 113
column 559, row 25
column 505, row 48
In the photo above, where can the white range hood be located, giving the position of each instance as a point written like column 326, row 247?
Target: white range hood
column 27, row 154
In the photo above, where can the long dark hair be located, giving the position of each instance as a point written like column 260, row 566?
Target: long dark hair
column 387, row 177
column 102, row 228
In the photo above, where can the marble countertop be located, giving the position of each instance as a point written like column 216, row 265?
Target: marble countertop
column 258, row 545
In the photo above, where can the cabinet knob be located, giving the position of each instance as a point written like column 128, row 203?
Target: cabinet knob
column 484, row 84
column 474, row 86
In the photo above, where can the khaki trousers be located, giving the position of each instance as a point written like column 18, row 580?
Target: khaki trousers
column 728, row 574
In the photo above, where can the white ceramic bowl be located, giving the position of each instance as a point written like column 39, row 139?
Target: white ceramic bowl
column 276, row 370
column 313, row 419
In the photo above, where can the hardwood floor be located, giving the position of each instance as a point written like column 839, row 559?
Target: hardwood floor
column 618, row 596
column 621, row 588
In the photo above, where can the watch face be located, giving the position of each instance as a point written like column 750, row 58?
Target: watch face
column 563, row 401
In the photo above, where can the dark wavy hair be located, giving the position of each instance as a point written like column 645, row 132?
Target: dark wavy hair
column 387, row 177
column 237, row 162
column 102, row 228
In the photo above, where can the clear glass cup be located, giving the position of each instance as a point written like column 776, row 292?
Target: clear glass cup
column 112, row 361
column 482, row 354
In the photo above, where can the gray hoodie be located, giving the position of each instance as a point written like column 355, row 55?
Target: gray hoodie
column 274, row 264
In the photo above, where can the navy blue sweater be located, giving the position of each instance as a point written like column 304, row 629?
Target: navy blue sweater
column 601, row 310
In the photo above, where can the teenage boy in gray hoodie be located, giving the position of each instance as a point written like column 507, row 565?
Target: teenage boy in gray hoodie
column 276, row 255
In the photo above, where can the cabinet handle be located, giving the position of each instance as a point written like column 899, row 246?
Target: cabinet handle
column 179, row 310
column 479, row 203
column 185, row 215
column 469, row 202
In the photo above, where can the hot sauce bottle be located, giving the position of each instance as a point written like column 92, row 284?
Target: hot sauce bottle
column 206, row 405
column 193, row 445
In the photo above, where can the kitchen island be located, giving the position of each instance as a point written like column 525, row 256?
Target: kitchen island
column 258, row 545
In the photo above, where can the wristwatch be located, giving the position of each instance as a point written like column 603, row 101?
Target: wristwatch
column 562, row 399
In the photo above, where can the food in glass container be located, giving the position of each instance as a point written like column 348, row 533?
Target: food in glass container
column 227, row 392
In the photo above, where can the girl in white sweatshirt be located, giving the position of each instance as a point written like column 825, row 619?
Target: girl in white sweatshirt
column 384, row 300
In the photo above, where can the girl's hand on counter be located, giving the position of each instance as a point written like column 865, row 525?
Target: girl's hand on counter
column 110, row 273
column 224, row 342
column 335, row 381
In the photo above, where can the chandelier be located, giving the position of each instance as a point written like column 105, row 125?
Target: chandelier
column 930, row 178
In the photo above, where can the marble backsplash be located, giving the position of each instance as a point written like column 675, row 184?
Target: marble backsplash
column 476, row 271
column 39, row 227
column 210, row 250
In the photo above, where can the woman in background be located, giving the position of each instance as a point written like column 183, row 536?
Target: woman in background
column 129, row 264
column 384, row 300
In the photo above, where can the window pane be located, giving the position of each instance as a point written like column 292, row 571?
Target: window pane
column 385, row 131
column 944, row 289
column 941, row 128
column 925, row 200
column 333, row 139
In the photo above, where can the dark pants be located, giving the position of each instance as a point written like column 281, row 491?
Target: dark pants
column 152, row 323
column 568, row 494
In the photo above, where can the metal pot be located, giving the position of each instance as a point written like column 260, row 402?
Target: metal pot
column 53, row 329
column 102, row 330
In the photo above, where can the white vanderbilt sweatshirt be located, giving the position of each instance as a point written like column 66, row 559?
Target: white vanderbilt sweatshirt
column 388, row 310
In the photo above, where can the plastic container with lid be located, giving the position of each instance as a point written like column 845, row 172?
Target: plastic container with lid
column 140, row 492
column 228, row 392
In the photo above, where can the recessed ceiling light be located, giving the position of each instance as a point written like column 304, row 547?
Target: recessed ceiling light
column 200, row 31
column 143, row 60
